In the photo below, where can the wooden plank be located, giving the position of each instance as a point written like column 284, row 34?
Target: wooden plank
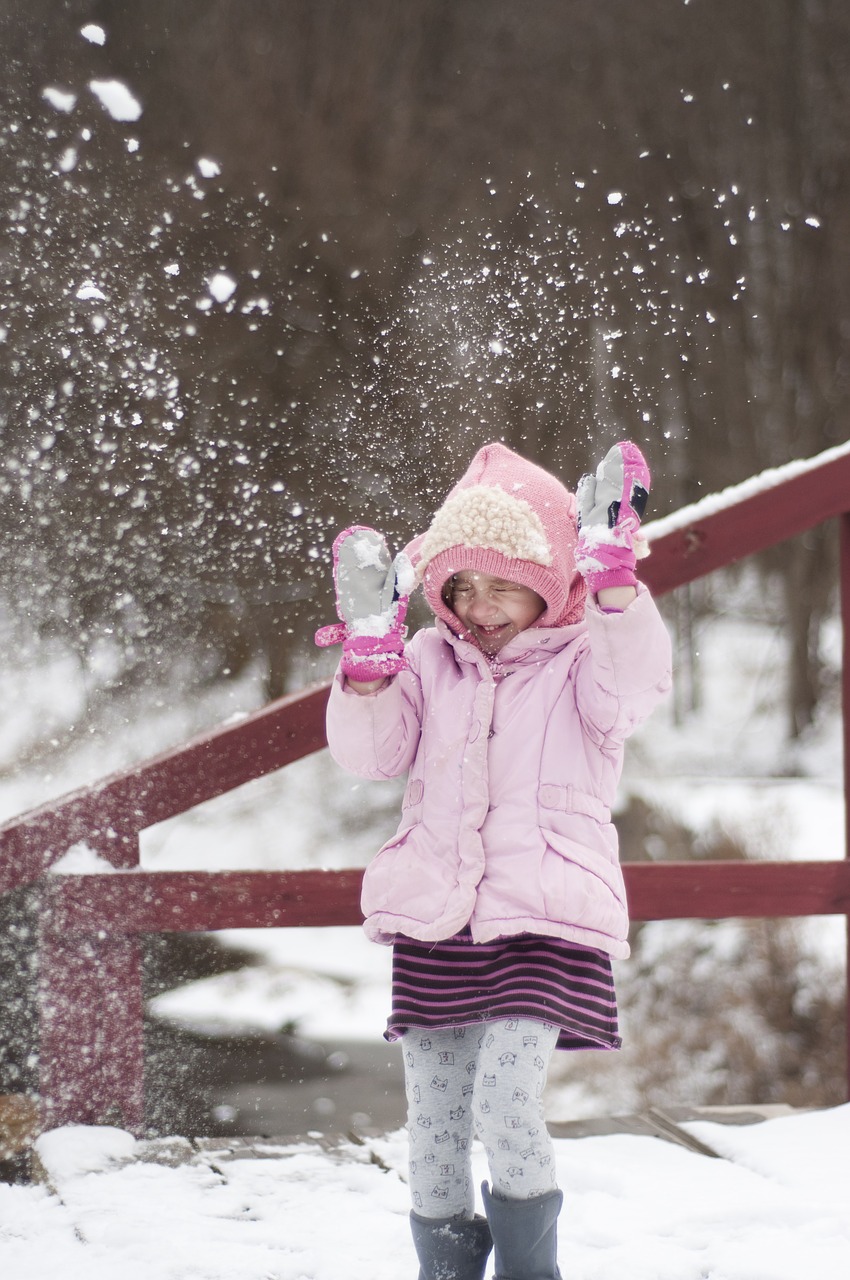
column 194, row 901
column 110, row 815
column 762, row 519
column 720, row 890
column 844, row 584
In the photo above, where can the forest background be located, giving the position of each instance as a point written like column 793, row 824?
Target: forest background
column 333, row 248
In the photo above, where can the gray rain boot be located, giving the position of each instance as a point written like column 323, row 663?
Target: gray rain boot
column 451, row 1248
column 525, row 1235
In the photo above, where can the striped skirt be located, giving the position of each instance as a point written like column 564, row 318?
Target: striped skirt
column 459, row 982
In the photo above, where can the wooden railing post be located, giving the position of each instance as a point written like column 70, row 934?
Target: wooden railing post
column 91, row 1049
column 844, row 581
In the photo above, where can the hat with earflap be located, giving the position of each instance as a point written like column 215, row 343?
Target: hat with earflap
column 509, row 518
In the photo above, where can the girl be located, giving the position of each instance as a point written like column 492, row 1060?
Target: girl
column 501, row 892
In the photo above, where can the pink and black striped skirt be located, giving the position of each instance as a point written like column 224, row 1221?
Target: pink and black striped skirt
column 458, row 982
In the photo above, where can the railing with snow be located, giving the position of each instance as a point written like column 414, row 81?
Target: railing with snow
column 90, row 972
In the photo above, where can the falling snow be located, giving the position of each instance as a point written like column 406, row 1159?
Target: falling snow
column 117, row 99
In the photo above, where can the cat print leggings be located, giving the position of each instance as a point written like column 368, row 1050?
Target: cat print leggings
column 487, row 1080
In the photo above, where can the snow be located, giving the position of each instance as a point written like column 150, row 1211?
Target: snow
column 117, row 99
column 221, row 286
column 373, row 624
column 93, row 33
column 327, row 982
column 405, row 574
column 80, row 860
column 773, row 1206
column 61, row 99
column 715, row 502
column 90, row 292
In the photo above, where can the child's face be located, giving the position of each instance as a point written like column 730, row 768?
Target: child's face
column 492, row 609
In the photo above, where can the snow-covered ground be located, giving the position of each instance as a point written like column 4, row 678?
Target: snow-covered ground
column 773, row 1206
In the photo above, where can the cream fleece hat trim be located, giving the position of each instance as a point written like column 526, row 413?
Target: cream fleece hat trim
column 481, row 516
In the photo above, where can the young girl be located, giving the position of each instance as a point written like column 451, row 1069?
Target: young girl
column 501, row 892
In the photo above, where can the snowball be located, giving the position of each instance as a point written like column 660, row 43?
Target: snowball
column 208, row 168
column 116, row 98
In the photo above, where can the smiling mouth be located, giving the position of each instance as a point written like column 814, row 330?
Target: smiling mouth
column 499, row 635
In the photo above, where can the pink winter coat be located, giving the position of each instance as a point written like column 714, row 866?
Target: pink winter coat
column 506, row 821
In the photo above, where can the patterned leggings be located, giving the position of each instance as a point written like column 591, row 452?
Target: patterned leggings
column 487, row 1079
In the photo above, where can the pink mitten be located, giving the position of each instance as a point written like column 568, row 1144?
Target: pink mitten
column 611, row 504
column 372, row 592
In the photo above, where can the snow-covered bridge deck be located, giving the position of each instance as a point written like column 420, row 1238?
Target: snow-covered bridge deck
column 772, row 1205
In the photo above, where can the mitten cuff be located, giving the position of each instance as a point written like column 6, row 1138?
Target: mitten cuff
column 372, row 657
column 623, row 576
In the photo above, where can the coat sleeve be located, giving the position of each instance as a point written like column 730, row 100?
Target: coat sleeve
column 376, row 735
column 625, row 668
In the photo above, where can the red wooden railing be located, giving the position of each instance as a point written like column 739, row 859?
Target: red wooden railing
column 91, row 1049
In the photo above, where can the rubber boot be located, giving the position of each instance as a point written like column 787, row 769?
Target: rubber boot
column 451, row 1248
column 525, row 1235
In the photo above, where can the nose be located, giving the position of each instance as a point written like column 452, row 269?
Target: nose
column 482, row 608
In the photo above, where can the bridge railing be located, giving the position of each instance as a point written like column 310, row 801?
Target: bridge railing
column 90, row 927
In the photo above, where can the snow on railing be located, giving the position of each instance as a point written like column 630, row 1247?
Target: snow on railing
column 733, row 496
column 90, row 986
column 725, row 527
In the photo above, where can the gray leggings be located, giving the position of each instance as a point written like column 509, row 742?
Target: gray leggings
column 487, row 1079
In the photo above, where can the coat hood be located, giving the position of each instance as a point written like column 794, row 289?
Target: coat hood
column 506, row 517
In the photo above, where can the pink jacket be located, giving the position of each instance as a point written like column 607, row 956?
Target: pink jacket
column 506, row 821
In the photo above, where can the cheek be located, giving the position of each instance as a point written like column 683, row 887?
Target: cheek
column 531, row 613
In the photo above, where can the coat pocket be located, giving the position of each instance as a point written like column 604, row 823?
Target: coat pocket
column 405, row 879
column 583, row 886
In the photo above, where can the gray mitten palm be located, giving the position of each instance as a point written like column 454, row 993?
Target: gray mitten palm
column 372, row 591
column 611, row 504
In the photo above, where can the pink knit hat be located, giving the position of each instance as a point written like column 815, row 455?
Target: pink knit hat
column 509, row 518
